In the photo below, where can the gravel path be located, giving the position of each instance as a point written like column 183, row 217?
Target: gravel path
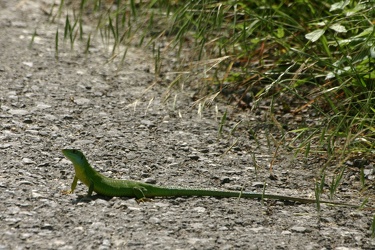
column 127, row 132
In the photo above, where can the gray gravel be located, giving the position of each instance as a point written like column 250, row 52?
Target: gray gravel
column 80, row 102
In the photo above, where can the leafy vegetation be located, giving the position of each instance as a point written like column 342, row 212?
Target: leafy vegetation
column 308, row 57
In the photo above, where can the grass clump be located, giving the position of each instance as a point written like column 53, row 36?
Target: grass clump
column 309, row 56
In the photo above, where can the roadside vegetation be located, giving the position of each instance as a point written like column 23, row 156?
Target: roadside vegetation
column 313, row 60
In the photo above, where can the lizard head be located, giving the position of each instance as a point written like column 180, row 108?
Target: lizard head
column 75, row 156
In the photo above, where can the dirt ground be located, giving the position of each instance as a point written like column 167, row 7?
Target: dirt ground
column 126, row 132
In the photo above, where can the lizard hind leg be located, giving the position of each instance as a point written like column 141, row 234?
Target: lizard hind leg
column 140, row 195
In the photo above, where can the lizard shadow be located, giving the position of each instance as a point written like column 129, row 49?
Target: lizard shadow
column 86, row 199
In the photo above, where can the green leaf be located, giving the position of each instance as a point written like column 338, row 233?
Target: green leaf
column 338, row 28
column 367, row 32
column 315, row 35
column 280, row 32
column 357, row 8
column 339, row 6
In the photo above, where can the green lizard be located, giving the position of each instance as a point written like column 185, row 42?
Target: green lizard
column 114, row 187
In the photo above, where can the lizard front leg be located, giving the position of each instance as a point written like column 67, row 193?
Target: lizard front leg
column 73, row 186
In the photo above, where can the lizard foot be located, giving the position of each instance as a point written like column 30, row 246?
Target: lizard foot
column 144, row 199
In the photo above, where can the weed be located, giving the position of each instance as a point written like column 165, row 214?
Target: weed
column 336, row 182
column 222, row 122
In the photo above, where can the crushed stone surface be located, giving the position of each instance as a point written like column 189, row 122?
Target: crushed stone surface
column 129, row 132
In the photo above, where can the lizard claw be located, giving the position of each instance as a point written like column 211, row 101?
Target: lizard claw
column 144, row 199
column 66, row 192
